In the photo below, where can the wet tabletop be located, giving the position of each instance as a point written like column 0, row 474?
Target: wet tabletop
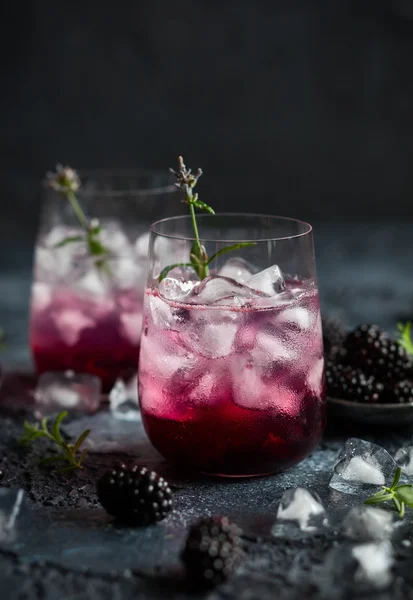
column 64, row 545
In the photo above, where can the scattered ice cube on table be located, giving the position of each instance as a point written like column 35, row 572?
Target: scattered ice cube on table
column 404, row 459
column 215, row 289
column 238, row 269
column 13, row 507
column 361, row 466
column 301, row 507
column 270, row 281
column 74, row 392
column 366, row 523
column 374, row 564
column 123, row 400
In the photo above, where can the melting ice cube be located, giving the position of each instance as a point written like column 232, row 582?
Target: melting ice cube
column 360, row 466
column 365, row 524
column 238, row 269
column 404, row 459
column 13, row 507
column 175, row 289
column 123, row 400
column 270, row 281
column 74, row 392
column 303, row 508
column 374, row 564
column 215, row 289
column 70, row 323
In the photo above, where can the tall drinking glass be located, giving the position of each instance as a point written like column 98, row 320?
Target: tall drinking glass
column 84, row 318
column 231, row 369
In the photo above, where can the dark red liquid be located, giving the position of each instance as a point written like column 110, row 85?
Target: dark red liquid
column 230, row 440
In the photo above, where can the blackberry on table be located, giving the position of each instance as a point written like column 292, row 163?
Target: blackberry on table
column 212, row 551
column 135, row 494
column 375, row 353
column 349, row 383
column 334, row 333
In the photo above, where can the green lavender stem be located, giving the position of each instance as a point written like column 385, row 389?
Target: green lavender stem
column 77, row 209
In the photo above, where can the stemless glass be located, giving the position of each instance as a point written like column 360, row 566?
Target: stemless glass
column 231, row 370
column 84, row 318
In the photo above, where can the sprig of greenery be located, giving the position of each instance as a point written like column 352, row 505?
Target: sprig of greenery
column 70, row 452
column 198, row 257
column 405, row 336
column 400, row 495
column 66, row 181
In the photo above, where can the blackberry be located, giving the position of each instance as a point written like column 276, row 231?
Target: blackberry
column 344, row 381
column 375, row 353
column 135, row 494
column 334, row 333
column 212, row 551
column 402, row 392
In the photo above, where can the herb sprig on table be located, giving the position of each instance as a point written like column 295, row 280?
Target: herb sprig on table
column 70, row 453
column 198, row 257
column 66, row 181
column 400, row 495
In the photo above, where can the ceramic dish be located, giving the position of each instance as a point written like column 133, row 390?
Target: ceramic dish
column 389, row 415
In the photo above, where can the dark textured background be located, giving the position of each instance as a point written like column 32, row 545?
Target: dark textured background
column 301, row 107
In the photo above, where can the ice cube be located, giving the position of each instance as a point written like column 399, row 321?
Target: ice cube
column 74, row 392
column 211, row 340
column 238, row 269
column 142, row 245
column 270, row 281
column 357, row 569
column 184, row 274
column 404, row 459
column 365, row 524
column 175, row 289
column 297, row 317
column 70, row 323
column 374, row 564
column 301, row 507
column 215, row 289
column 127, row 272
column 13, row 508
column 41, row 296
column 93, row 282
column 123, row 400
column 361, row 466
column 114, row 238
column 131, row 326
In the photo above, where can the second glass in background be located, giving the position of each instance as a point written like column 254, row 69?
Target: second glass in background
column 83, row 318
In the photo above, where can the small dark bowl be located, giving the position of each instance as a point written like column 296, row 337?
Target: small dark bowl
column 381, row 415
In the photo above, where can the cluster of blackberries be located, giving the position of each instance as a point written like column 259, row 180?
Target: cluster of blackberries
column 366, row 365
column 135, row 494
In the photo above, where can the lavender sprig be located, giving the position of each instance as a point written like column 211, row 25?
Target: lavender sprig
column 66, row 181
column 198, row 257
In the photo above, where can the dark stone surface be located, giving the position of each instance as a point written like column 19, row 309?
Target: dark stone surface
column 72, row 549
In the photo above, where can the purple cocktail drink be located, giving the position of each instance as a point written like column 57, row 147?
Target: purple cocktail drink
column 233, row 385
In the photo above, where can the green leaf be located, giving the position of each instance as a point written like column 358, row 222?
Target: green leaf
column 82, row 457
column 379, row 499
column 95, row 247
column 405, row 336
column 80, row 441
column 397, row 504
column 29, row 437
column 404, row 493
column 56, row 427
column 44, row 422
column 166, row 270
column 230, row 249
column 202, row 206
column 69, row 240
column 396, row 478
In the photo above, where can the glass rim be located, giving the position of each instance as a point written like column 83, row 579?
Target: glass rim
column 308, row 227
